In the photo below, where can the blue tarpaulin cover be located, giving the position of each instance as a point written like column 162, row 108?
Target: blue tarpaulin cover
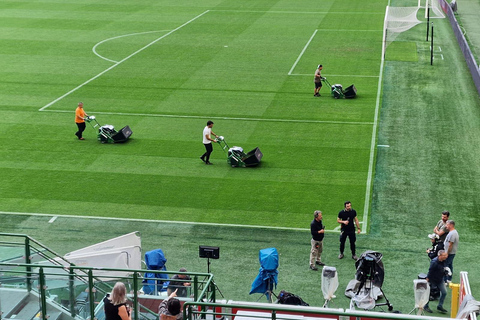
column 155, row 260
column 268, row 274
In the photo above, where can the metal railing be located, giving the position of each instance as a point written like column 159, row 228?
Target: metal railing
column 79, row 290
column 44, row 281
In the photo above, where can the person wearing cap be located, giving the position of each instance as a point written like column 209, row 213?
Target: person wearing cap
column 80, row 117
column 437, row 245
column 317, row 229
column 179, row 282
column 318, row 81
column 207, row 142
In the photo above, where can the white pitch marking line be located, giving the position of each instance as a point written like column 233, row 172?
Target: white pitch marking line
column 366, row 207
column 53, row 219
column 159, row 221
column 121, row 61
column 303, row 51
column 117, row 37
column 297, row 12
column 349, row 30
column 220, row 118
column 336, row 75
column 383, row 146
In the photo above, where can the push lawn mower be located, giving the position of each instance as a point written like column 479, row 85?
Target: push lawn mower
column 338, row 92
column 237, row 158
column 107, row 133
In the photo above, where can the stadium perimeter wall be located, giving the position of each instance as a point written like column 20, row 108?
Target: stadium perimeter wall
column 462, row 42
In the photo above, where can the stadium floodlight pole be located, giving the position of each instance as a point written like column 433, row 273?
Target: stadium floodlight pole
column 431, row 48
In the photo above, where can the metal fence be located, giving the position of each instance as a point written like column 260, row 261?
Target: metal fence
column 462, row 42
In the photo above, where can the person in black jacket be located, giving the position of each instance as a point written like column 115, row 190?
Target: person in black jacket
column 318, row 231
column 437, row 245
column 435, row 276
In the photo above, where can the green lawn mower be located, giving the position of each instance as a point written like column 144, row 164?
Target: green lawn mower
column 338, row 92
column 107, row 133
column 237, row 158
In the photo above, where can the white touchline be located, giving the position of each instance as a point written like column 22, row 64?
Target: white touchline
column 156, row 221
column 372, row 150
column 121, row 61
column 94, row 49
column 301, row 53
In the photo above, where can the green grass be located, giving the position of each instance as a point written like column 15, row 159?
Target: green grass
column 178, row 67
column 231, row 64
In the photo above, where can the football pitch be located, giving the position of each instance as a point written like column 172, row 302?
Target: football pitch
column 165, row 70
column 401, row 152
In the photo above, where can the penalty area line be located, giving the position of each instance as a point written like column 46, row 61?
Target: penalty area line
column 121, row 61
column 303, row 51
column 219, row 118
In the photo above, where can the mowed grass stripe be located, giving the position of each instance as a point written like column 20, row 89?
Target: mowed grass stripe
column 161, row 170
column 323, row 160
column 159, row 197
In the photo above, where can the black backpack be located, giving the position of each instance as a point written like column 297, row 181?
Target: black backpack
column 289, row 298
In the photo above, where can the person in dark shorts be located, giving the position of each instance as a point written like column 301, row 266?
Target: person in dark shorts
column 318, row 81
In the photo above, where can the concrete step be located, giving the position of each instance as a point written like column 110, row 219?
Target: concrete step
column 10, row 299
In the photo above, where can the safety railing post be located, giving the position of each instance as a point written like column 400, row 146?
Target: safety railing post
column 135, row 295
column 71, row 289
column 42, row 290
column 91, row 294
column 28, row 261
column 213, row 288
column 195, row 288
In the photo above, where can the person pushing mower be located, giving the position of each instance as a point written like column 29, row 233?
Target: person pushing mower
column 207, row 142
column 80, row 116
column 318, row 81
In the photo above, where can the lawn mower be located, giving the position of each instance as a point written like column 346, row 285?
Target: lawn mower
column 107, row 133
column 237, row 158
column 338, row 92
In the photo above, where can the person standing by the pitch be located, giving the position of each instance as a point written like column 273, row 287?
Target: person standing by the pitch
column 348, row 219
column 318, row 81
column 317, row 230
column 80, row 116
column 207, row 141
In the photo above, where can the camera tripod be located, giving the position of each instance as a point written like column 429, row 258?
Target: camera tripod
column 368, row 273
column 269, row 293
column 213, row 281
